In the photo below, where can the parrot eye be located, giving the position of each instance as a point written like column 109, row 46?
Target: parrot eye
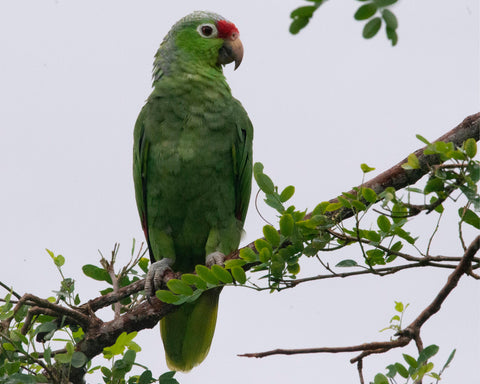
column 207, row 30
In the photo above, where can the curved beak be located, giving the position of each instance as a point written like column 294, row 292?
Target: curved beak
column 231, row 51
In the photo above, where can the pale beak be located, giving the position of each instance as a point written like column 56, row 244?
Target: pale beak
column 231, row 50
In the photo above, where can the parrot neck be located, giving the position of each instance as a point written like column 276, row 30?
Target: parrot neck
column 188, row 78
column 179, row 66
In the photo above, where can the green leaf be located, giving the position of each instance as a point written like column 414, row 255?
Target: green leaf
column 333, row 207
column 399, row 306
column 390, row 19
column 434, row 185
column 248, row 255
column 79, row 359
column 143, row 264
column 298, row 24
column 380, row 379
column 365, row 168
column 263, row 181
column 273, row 200
column 146, row 377
column 167, row 378
column 402, row 371
column 474, row 170
column 21, row 378
column 271, row 235
column 391, row 368
column 96, row 273
column 372, row 236
column 286, row 225
column 129, row 357
column 264, row 255
column 392, row 36
column 469, row 217
column 449, row 360
column 59, row 260
column 369, row 195
column 399, row 213
column 306, row 11
column 422, row 139
column 358, row 205
column 179, row 287
column 344, row 202
column 294, row 269
column 347, row 263
column 167, row 297
column 427, row 353
column 410, row 360
column 8, row 347
column 222, row 274
column 372, row 27
column 470, row 146
column 384, row 223
column 191, row 279
column 52, row 255
column 320, row 208
column 375, row 257
column 412, row 162
column 229, row 264
column 397, row 246
column 206, row 274
column 404, row 235
column 63, row 358
column 261, row 243
column 287, row 193
column 365, row 11
column 45, row 328
column 239, row 275
column 384, row 3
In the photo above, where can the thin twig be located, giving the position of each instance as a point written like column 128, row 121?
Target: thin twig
column 411, row 332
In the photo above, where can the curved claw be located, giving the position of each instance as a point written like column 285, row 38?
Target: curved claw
column 154, row 279
column 215, row 258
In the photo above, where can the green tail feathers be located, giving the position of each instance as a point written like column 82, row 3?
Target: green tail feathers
column 187, row 333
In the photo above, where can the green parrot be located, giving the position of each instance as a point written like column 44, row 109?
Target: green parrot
column 192, row 167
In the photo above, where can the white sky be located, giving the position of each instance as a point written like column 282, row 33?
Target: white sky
column 73, row 78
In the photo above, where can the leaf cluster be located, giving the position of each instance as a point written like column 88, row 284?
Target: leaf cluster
column 377, row 12
column 415, row 369
column 46, row 352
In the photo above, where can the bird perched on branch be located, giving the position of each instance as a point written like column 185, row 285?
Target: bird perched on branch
column 192, row 167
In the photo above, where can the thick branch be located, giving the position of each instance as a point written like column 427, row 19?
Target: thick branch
column 399, row 178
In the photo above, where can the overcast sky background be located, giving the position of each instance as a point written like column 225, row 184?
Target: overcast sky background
column 73, row 78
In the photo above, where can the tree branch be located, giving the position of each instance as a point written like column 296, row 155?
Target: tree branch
column 99, row 334
column 411, row 332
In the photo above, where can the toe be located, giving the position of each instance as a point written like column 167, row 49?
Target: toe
column 215, row 258
column 155, row 276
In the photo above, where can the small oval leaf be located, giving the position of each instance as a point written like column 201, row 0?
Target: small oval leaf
column 287, row 193
column 372, row 27
column 179, row 287
column 206, row 274
column 222, row 274
column 239, row 275
column 271, row 235
column 365, row 11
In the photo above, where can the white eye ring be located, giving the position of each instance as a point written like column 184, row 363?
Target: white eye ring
column 207, row 30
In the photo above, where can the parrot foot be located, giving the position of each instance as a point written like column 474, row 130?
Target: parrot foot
column 155, row 276
column 215, row 258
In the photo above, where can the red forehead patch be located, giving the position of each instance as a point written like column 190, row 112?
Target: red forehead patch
column 226, row 29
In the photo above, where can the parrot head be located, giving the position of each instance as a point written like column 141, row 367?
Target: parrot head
column 201, row 39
